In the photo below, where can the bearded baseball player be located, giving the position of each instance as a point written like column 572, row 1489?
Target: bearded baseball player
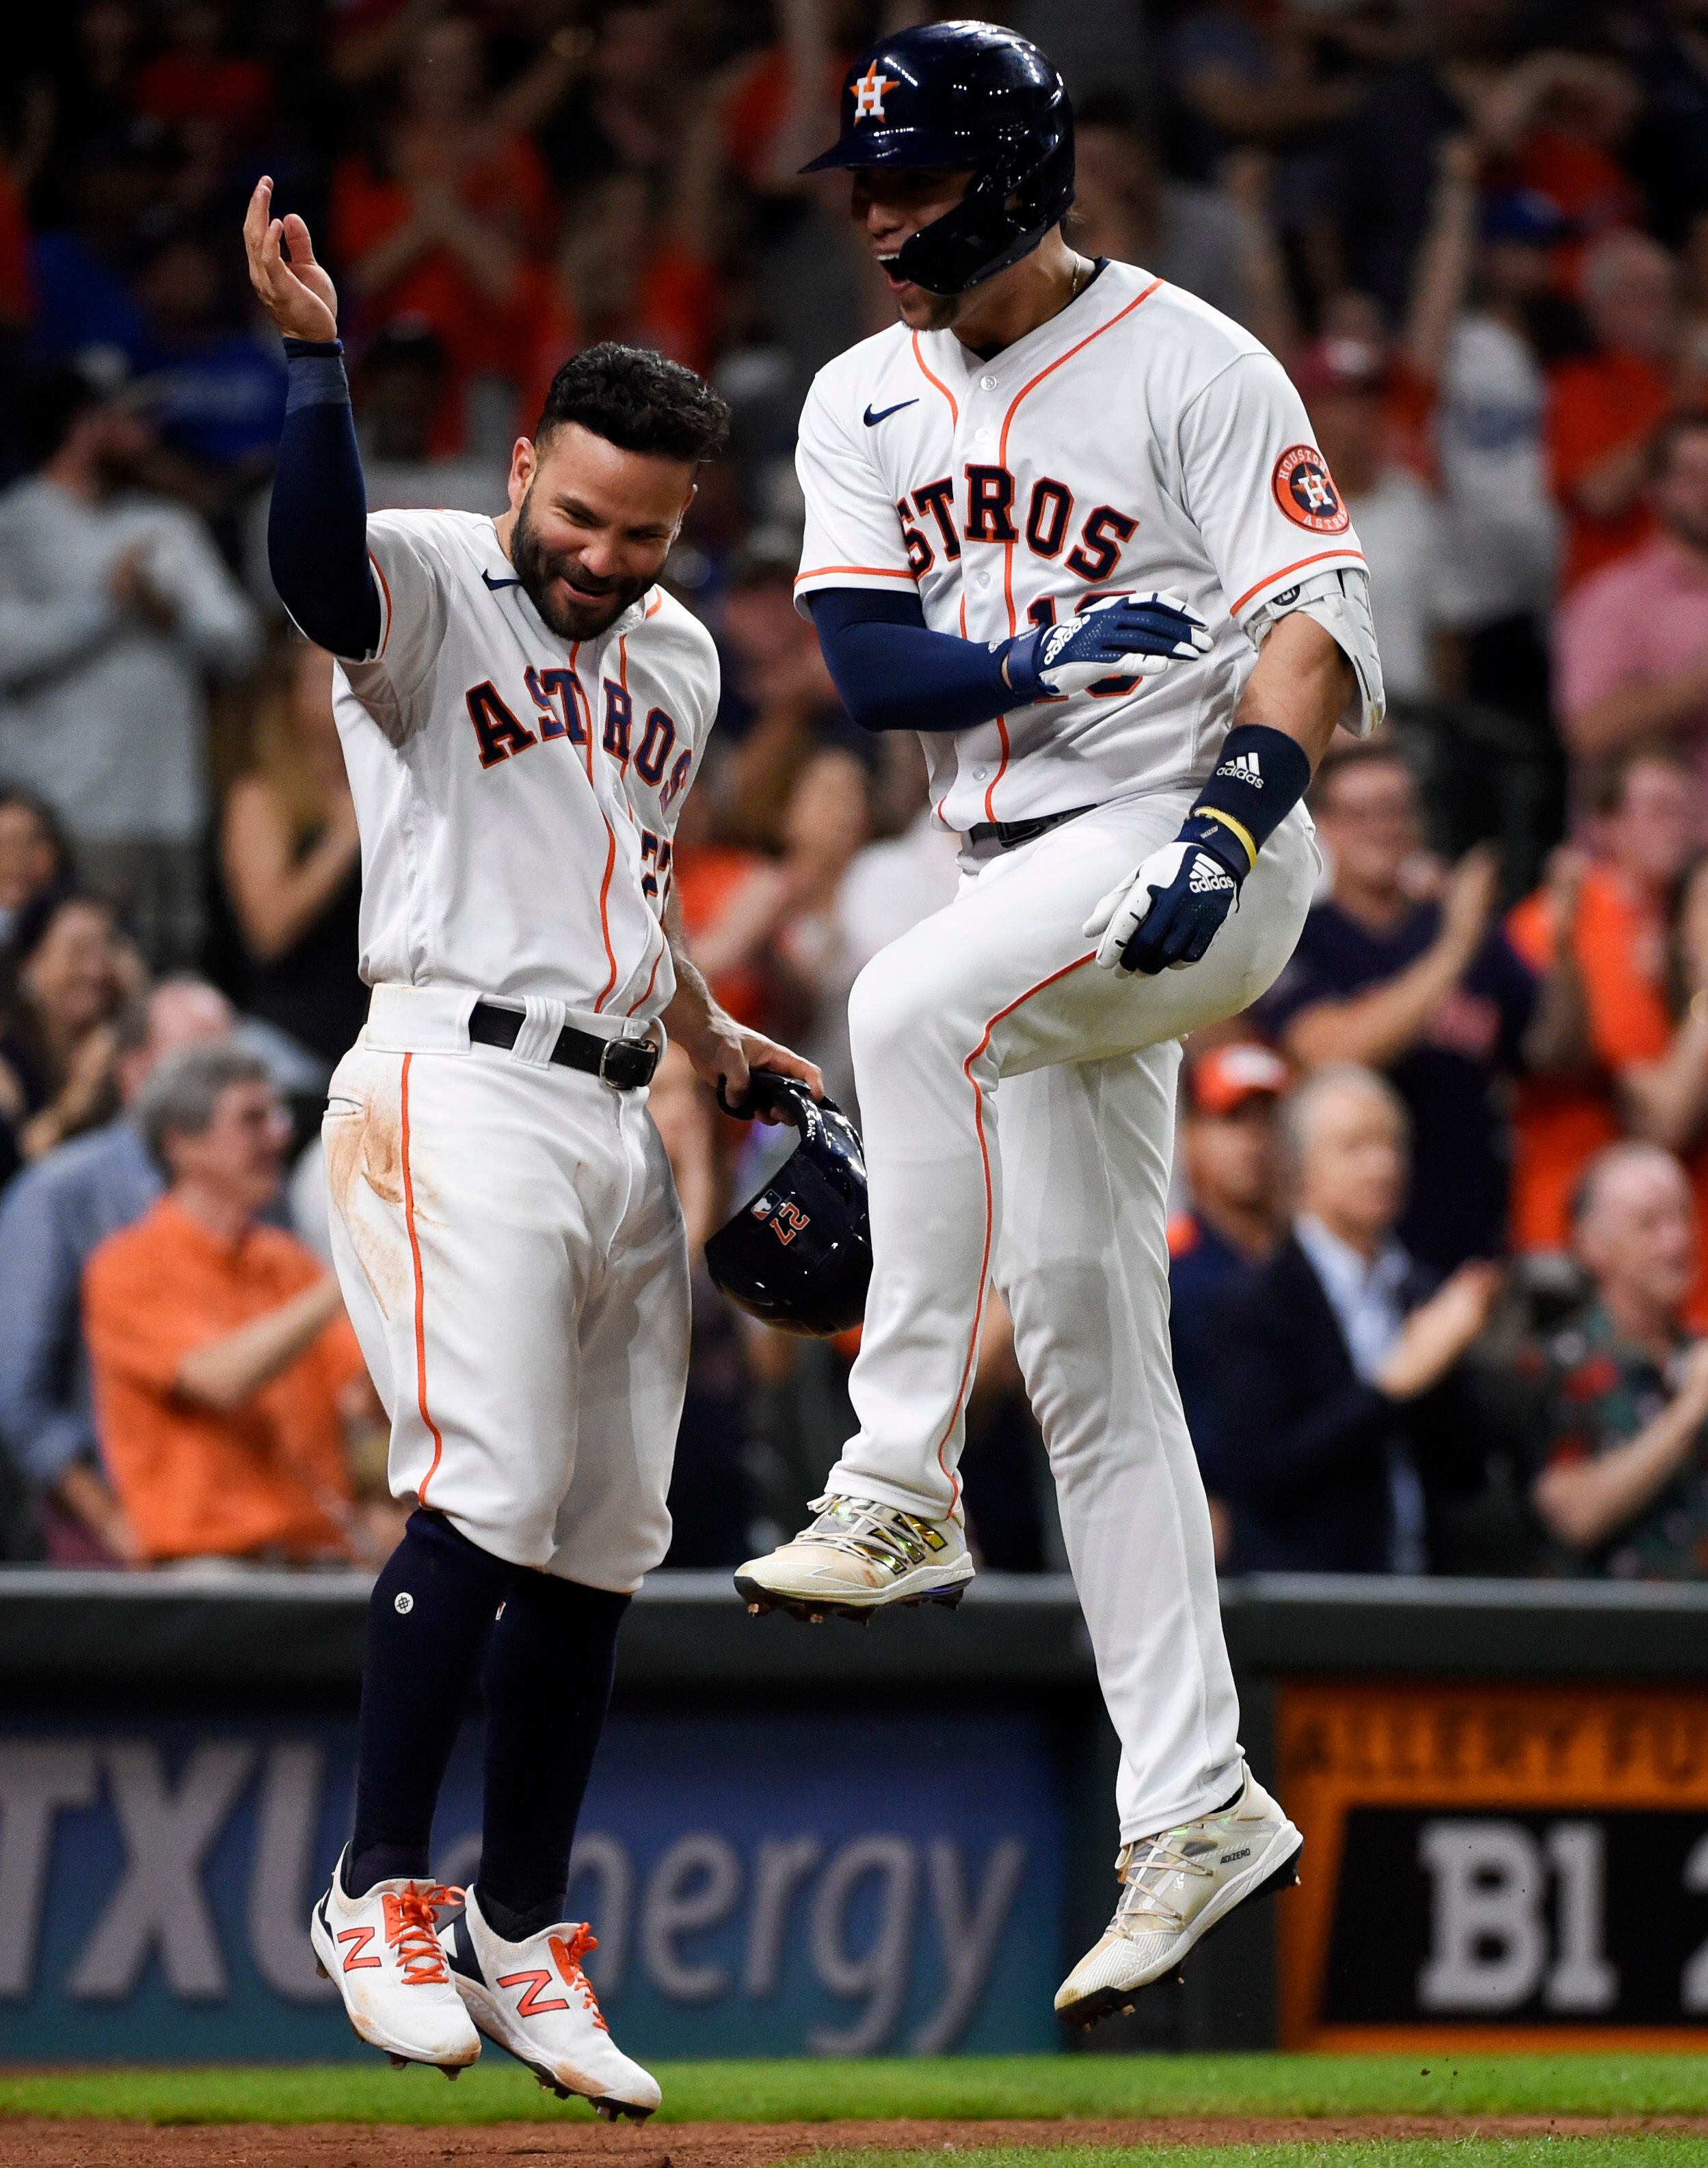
column 522, row 707
column 1068, row 523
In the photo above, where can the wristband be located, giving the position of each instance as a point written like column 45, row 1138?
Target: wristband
column 315, row 374
column 1261, row 776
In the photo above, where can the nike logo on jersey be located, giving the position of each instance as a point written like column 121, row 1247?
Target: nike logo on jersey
column 496, row 584
column 1243, row 768
column 884, row 413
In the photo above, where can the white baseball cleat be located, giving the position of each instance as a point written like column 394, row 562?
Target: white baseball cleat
column 856, row 1558
column 382, row 1951
column 533, row 1998
column 1177, row 1886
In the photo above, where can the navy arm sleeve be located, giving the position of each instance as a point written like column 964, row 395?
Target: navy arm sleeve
column 893, row 674
column 318, row 525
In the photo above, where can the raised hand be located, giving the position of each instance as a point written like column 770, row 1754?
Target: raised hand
column 294, row 289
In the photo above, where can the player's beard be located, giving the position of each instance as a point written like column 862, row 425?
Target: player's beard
column 585, row 615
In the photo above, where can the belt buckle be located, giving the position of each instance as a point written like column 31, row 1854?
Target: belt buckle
column 637, row 1057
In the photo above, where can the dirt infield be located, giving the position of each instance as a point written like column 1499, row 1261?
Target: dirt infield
column 38, row 2142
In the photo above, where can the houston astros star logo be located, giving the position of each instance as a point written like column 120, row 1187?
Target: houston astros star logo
column 868, row 93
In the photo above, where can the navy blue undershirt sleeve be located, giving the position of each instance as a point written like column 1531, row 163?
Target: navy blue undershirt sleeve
column 893, row 674
column 317, row 526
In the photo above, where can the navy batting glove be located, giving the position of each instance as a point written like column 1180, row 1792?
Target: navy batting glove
column 1128, row 636
column 1166, row 916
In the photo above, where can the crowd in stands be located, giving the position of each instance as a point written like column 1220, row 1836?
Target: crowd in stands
column 1440, row 1251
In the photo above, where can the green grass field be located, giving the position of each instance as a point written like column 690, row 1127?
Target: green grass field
column 960, row 2087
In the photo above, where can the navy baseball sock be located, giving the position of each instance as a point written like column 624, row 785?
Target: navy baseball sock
column 546, row 1686
column 429, row 1621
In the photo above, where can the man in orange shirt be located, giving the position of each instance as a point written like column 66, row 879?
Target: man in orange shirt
column 222, row 1363
column 1607, row 1056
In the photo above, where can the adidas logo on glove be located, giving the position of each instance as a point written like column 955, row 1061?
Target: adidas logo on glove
column 1243, row 768
column 1207, row 877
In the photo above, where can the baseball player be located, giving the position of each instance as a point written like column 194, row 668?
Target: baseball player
column 1070, row 524
column 522, row 707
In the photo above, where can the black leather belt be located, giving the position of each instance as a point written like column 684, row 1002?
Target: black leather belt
column 624, row 1064
column 1009, row 835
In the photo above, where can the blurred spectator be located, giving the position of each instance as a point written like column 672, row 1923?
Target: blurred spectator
column 1343, row 1423
column 897, row 881
column 624, row 112
column 217, row 101
column 1193, row 235
column 1605, row 408
column 1389, row 150
column 1606, row 1051
column 438, row 216
column 216, row 390
column 1343, row 381
column 112, row 606
column 724, row 891
column 779, row 702
column 1501, row 547
column 1621, row 1446
column 826, row 824
column 1422, row 984
column 1232, row 1218
column 33, row 856
column 291, row 859
column 58, row 1049
column 113, row 190
column 52, row 1218
column 224, row 1371
column 400, row 391
column 1633, row 639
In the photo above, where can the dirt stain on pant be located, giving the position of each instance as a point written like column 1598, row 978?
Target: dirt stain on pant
column 364, row 1183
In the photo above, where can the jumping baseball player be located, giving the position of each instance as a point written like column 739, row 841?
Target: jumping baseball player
column 522, row 708
column 1068, row 523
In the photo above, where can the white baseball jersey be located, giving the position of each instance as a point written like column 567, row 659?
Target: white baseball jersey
column 1138, row 441
column 518, row 799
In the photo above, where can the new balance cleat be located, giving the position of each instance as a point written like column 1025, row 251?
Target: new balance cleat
column 1176, row 1886
column 381, row 1951
column 856, row 1558
column 534, row 1999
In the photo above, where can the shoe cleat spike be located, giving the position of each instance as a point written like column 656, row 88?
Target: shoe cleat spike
column 398, row 2062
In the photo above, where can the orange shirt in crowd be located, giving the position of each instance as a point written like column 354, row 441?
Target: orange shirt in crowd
column 181, row 86
column 1599, row 404
column 1561, row 1123
column 511, row 188
column 705, row 878
column 195, row 1481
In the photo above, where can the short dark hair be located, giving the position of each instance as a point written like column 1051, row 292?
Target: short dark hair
column 639, row 402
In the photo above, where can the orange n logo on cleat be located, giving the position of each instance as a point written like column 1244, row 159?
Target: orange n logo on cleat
column 530, row 2005
column 353, row 1959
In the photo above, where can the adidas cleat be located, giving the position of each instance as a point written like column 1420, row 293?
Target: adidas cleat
column 856, row 1558
column 1177, row 1887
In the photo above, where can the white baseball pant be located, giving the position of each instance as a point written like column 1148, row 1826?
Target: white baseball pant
column 1019, row 1113
column 511, row 1250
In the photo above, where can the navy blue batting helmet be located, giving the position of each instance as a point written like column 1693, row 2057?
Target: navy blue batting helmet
column 955, row 95
column 799, row 1255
